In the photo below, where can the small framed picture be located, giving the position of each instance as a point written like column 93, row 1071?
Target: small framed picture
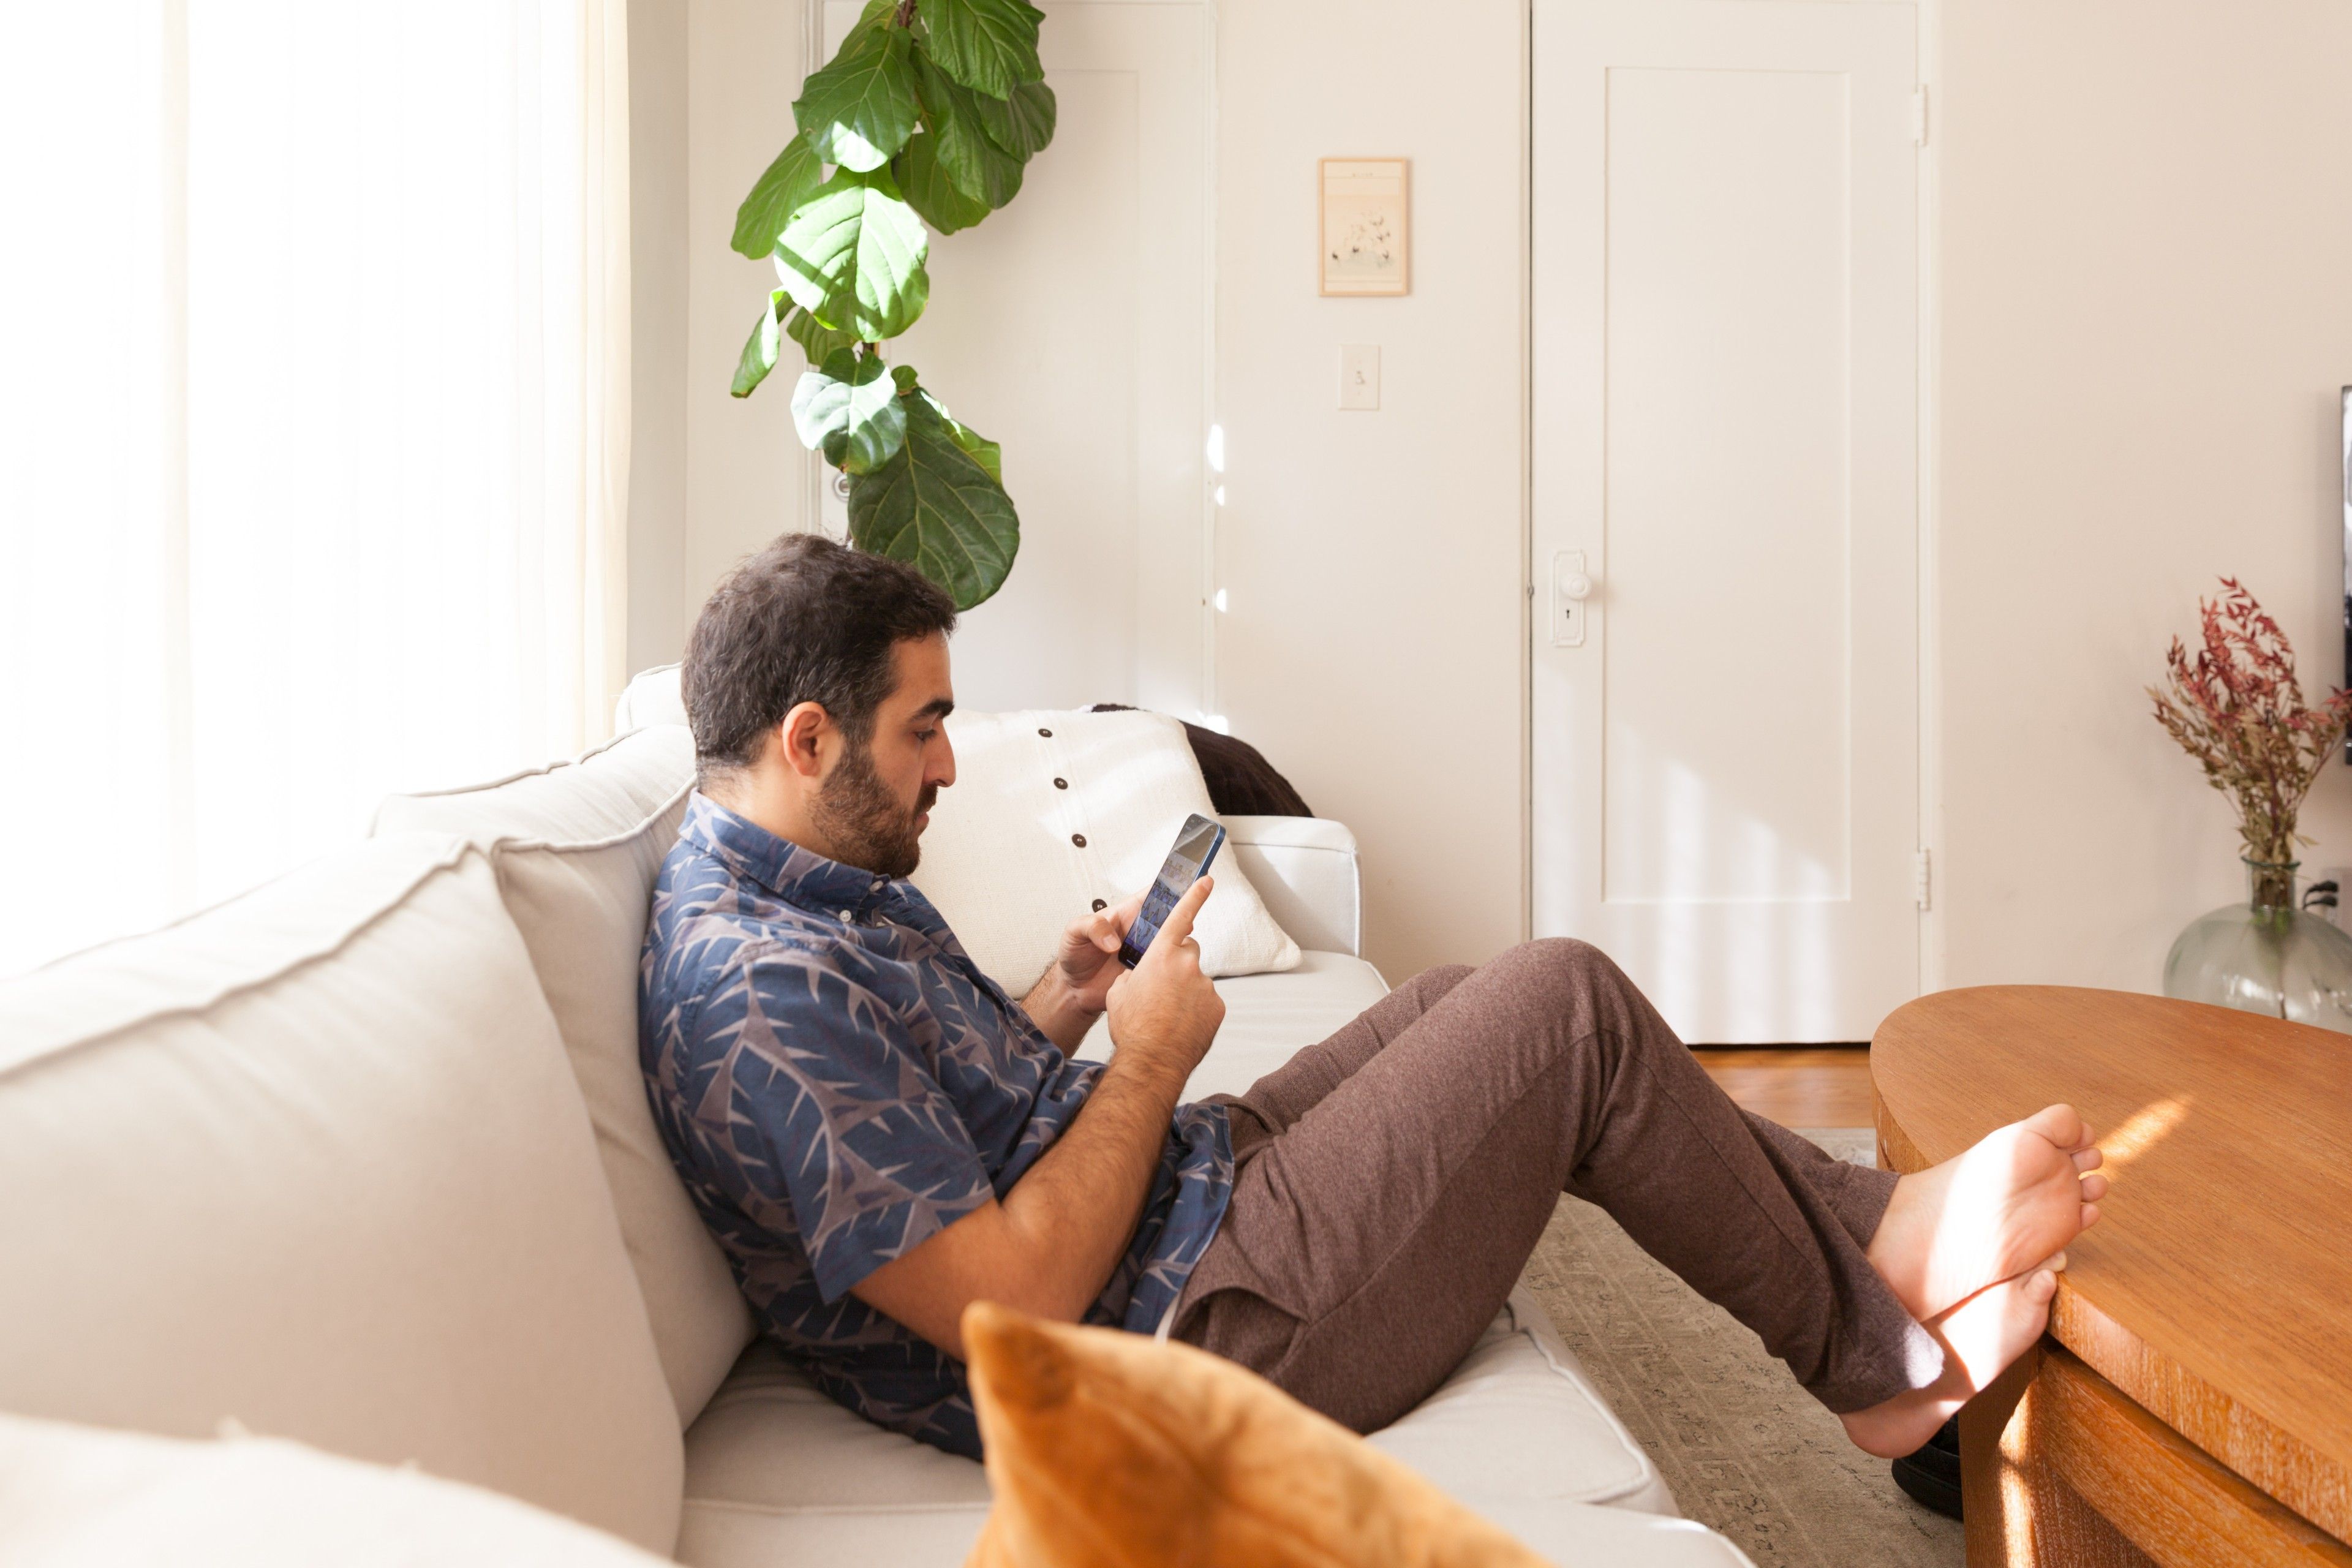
column 1366, row 225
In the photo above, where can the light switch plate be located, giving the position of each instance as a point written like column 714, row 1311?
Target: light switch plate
column 1360, row 375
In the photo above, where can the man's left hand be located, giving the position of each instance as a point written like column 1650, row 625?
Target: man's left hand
column 1073, row 992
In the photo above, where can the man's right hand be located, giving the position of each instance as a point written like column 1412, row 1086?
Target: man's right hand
column 1166, row 1010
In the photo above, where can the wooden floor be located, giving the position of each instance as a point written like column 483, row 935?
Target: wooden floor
column 1796, row 1086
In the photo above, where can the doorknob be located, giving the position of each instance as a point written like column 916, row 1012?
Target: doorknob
column 1576, row 585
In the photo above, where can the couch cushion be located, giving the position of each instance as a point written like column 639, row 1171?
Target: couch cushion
column 775, row 1470
column 314, row 1161
column 76, row 1497
column 577, row 847
column 1520, row 1421
column 1052, row 811
column 1268, row 1017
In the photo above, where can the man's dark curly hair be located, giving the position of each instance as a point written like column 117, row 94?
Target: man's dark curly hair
column 805, row 620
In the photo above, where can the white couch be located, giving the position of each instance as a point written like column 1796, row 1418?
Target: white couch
column 361, row 1160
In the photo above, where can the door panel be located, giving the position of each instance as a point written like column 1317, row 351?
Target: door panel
column 1726, row 283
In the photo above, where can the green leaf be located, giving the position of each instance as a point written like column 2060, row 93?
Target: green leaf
column 816, row 340
column 930, row 190
column 861, row 107
column 990, row 45
column 934, row 505
column 979, row 169
column 904, row 375
column 1023, row 124
column 790, row 180
column 851, row 411
column 983, row 450
column 853, row 257
column 759, row 349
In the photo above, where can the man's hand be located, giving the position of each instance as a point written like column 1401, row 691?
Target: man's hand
column 1165, row 1010
column 1070, row 995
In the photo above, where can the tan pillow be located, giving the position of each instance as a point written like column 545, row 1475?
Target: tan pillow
column 577, row 847
column 1109, row 1449
column 77, row 1496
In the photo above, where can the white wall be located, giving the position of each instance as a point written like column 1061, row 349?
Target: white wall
column 713, row 476
column 2146, row 263
column 658, row 279
column 1373, row 560
column 2143, row 271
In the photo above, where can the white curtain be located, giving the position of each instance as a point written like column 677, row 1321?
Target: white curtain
column 314, row 380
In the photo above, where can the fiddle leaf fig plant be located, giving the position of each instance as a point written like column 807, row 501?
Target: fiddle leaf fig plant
column 925, row 118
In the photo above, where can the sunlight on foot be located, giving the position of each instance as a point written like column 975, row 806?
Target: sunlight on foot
column 2022, row 1192
column 1981, row 1337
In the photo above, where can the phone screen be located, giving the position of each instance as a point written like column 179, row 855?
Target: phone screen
column 1196, row 845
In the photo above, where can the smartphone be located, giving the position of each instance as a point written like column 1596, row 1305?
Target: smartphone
column 1197, row 843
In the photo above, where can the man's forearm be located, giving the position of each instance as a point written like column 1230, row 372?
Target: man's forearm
column 1077, row 1209
column 1051, row 1244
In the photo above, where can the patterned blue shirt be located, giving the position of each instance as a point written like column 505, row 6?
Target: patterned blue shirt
column 837, row 1081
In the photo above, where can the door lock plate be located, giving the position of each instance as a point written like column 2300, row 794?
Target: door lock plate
column 1570, row 592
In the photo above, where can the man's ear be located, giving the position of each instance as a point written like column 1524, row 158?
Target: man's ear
column 801, row 738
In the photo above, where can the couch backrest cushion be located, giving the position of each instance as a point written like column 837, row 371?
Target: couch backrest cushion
column 77, row 1496
column 577, row 847
column 1054, row 810
column 314, row 1161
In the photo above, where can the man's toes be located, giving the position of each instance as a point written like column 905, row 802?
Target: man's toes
column 2093, row 1188
column 2061, row 1126
column 2089, row 1159
column 2090, row 1215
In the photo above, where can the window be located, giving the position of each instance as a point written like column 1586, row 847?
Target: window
column 313, row 413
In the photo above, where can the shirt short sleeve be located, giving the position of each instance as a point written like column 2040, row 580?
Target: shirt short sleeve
column 832, row 1108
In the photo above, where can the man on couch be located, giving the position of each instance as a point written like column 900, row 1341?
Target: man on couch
column 879, row 1134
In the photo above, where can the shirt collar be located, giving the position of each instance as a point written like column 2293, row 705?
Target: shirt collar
column 800, row 876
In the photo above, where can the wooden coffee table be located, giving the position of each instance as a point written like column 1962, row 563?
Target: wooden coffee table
column 2192, row 1402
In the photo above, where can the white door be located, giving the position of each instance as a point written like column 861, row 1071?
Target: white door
column 1725, row 304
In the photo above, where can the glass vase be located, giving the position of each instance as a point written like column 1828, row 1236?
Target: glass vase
column 2266, row 956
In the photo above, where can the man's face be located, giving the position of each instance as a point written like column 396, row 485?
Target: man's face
column 876, row 801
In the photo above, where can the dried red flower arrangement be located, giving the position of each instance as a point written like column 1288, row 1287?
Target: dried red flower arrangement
column 2238, row 709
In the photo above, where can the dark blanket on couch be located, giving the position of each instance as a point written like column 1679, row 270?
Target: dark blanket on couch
column 1242, row 782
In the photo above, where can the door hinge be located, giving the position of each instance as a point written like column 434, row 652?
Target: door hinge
column 1923, row 883
column 1919, row 116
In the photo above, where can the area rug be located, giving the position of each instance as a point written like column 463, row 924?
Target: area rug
column 1743, row 1449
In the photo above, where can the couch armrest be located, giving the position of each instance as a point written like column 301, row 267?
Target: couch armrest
column 1305, row 869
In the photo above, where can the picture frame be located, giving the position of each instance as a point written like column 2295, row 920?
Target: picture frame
column 1364, row 222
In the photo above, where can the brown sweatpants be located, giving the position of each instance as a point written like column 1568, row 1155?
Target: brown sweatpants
column 1392, row 1181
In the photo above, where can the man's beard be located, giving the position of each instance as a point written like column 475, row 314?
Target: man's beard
column 864, row 822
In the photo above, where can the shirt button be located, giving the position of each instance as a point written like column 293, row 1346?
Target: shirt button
column 1060, row 783
column 1079, row 839
column 1100, row 905
column 1047, row 733
column 844, row 916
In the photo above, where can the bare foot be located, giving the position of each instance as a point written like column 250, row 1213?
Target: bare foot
column 1981, row 1337
column 2022, row 1194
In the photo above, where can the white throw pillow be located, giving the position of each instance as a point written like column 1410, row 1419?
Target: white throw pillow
column 77, row 1496
column 315, row 1161
column 1052, row 811
column 577, row 847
